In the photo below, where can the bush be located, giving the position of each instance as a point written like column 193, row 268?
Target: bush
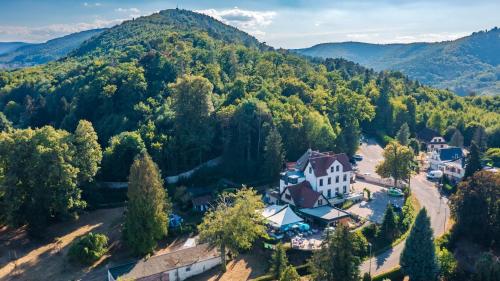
column 370, row 231
column 89, row 248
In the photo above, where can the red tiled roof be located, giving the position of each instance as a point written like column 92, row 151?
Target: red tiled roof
column 303, row 195
column 321, row 161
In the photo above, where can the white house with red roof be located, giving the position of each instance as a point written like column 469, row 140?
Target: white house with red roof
column 316, row 179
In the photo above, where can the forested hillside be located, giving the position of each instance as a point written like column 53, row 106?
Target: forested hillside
column 188, row 88
column 23, row 54
column 6, row 47
column 469, row 64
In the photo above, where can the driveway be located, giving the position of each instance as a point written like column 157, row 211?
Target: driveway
column 425, row 192
column 373, row 210
column 372, row 155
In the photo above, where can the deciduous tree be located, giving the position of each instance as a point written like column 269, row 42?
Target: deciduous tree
column 39, row 171
column 397, row 162
column 235, row 222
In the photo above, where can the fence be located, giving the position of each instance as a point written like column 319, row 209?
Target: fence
column 378, row 181
column 187, row 174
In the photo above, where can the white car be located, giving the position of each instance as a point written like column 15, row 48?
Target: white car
column 434, row 175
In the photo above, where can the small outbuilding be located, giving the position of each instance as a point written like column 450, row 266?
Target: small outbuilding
column 174, row 266
column 326, row 215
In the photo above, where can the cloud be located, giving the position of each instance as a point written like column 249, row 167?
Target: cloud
column 44, row 33
column 247, row 20
column 128, row 10
column 87, row 4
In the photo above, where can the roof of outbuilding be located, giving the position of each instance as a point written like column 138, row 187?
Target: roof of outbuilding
column 303, row 195
column 165, row 262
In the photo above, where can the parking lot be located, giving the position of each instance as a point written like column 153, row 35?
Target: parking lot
column 374, row 209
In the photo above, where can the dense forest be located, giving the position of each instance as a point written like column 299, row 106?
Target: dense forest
column 15, row 55
column 188, row 88
column 466, row 65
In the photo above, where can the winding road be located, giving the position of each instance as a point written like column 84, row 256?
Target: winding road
column 426, row 194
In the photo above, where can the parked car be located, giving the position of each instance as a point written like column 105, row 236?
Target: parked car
column 358, row 157
column 434, row 175
column 395, row 192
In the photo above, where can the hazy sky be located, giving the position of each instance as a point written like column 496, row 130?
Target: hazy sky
column 280, row 23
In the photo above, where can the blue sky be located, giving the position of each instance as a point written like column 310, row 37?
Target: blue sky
column 280, row 23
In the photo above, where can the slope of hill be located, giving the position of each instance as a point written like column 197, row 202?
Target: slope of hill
column 467, row 64
column 151, row 28
column 189, row 88
column 6, row 47
column 22, row 54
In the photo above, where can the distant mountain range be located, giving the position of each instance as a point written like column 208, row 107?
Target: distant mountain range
column 469, row 64
column 20, row 54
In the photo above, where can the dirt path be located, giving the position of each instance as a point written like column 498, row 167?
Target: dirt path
column 24, row 259
column 247, row 266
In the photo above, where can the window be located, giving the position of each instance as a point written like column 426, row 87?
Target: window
column 321, row 182
column 329, row 180
column 345, row 189
column 310, row 170
column 345, row 177
column 188, row 268
column 331, row 169
column 329, row 193
column 288, row 197
column 337, row 179
column 336, row 190
column 337, row 168
column 320, row 202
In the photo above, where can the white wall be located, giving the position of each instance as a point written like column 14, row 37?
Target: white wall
column 182, row 273
column 333, row 186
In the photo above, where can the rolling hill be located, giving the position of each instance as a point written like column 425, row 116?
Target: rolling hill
column 6, row 47
column 468, row 64
column 188, row 88
column 18, row 54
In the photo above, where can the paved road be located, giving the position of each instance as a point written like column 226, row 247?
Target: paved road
column 428, row 197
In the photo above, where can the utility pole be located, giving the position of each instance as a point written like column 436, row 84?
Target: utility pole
column 370, row 257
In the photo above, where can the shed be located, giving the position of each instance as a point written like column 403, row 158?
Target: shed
column 178, row 265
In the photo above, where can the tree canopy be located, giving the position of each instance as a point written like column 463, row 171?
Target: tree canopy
column 148, row 207
column 41, row 169
column 234, row 224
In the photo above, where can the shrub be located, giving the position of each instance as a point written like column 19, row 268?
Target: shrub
column 89, row 248
column 370, row 231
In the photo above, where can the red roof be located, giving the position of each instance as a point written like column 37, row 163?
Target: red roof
column 303, row 195
column 321, row 161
